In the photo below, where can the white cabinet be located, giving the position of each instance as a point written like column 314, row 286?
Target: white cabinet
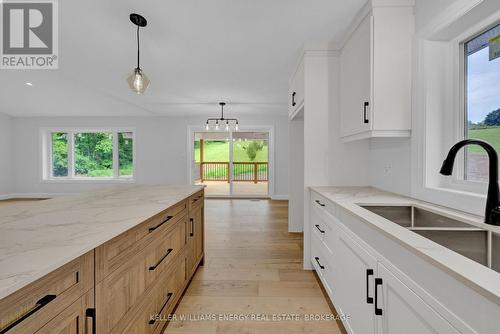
column 403, row 310
column 296, row 91
column 375, row 75
column 355, row 284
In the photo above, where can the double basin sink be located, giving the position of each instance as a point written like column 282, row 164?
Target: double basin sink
column 477, row 244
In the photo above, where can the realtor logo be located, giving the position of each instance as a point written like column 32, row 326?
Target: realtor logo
column 29, row 35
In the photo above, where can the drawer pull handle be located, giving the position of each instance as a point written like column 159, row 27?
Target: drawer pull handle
column 319, row 264
column 197, row 198
column 319, row 203
column 378, row 281
column 317, row 226
column 151, row 229
column 39, row 304
column 369, row 272
column 365, row 116
column 293, row 99
column 161, row 260
column 90, row 313
column 153, row 318
column 192, row 227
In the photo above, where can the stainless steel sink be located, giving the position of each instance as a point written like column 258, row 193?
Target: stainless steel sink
column 468, row 240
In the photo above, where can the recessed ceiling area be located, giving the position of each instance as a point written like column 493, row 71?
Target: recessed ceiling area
column 195, row 53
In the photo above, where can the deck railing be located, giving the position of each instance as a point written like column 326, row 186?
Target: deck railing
column 242, row 171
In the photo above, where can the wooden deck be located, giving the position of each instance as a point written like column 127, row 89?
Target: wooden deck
column 221, row 188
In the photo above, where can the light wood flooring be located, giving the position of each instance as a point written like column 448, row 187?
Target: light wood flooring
column 252, row 266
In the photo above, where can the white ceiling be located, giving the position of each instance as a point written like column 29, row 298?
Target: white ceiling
column 196, row 52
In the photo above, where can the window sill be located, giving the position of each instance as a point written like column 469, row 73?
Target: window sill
column 89, row 180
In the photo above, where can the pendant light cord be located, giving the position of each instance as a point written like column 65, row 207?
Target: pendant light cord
column 138, row 47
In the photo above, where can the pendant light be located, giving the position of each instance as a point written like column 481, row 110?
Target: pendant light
column 228, row 123
column 137, row 80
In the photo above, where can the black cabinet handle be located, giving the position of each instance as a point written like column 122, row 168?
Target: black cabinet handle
column 319, row 203
column 153, row 318
column 192, row 227
column 39, row 304
column 365, row 114
column 90, row 313
column 317, row 226
column 161, row 260
column 319, row 264
column 378, row 281
column 293, row 99
column 369, row 272
column 151, row 229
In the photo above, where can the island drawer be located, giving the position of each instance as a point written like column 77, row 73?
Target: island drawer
column 125, row 287
column 118, row 250
column 196, row 200
column 30, row 308
column 152, row 315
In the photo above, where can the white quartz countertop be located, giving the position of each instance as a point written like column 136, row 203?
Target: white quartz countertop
column 481, row 278
column 39, row 237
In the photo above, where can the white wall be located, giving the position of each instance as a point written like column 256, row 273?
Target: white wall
column 6, row 155
column 161, row 150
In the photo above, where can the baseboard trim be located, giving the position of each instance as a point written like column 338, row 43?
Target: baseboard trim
column 279, row 197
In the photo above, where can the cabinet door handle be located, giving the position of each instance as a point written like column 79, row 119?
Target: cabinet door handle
column 38, row 305
column 319, row 264
column 319, row 203
column 365, row 112
column 161, row 260
column 191, row 220
column 378, row 281
column 153, row 318
column 293, row 99
column 151, row 229
column 317, row 226
column 90, row 313
column 369, row 272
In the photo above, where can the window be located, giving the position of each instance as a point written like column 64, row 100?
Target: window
column 482, row 100
column 89, row 155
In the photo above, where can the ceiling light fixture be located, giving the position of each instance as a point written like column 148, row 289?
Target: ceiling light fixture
column 29, row 84
column 137, row 80
column 230, row 123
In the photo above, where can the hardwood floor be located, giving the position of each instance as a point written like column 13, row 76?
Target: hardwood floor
column 253, row 266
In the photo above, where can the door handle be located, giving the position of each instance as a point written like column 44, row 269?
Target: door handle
column 151, row 229
column 38, row 305
column 322, row 231
column 161, row 260
column 319, row 203
column 293, row 99
column 319, row 264
column 90, row 313
column 369, row 272
column 378, row 282
column 365, row 113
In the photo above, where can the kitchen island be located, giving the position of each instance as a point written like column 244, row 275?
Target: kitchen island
column 110, row 261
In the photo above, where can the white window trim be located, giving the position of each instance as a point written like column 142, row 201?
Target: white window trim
column 427, row 185
column 46, row 157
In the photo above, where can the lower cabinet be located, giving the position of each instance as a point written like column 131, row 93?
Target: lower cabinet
column 403, row 311
column 78, row 318
column 366, row 292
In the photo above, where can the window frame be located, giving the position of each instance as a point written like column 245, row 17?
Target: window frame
column 459, row 181
column 46, row 158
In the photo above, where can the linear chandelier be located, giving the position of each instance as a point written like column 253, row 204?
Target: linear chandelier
column 215, row 123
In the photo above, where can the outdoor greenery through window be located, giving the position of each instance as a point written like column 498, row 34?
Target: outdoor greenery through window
column 91, row 155
column 482, row 96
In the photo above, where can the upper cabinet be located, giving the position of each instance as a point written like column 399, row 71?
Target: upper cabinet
column 296, row 94
column 375, row 72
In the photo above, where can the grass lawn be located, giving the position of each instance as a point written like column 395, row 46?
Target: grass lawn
column 490, row 135
column 218, row 151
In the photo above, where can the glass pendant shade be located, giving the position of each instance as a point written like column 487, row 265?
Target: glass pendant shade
column 138, row 81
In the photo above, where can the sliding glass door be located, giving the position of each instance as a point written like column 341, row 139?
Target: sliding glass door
column 231, row 163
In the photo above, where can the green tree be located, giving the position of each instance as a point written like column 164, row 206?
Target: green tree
column 253, row 148
column 493, row 118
